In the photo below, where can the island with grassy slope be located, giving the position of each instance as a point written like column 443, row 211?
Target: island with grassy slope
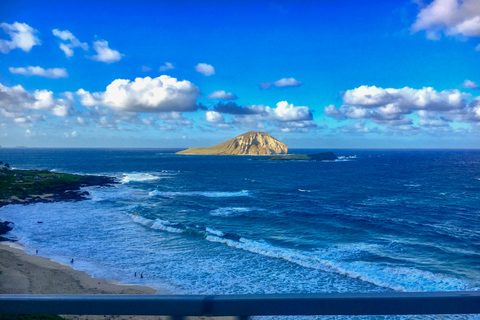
column 29, row 186
column 250, row 143
column 323, row 156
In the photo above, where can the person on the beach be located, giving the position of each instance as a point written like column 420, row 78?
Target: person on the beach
column 71, row 261
column 141, row 275
column 135, row 274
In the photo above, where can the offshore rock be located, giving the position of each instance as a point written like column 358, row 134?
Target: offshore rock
column 250, row 143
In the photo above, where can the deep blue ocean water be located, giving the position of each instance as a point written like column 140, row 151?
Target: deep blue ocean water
column 374, row 220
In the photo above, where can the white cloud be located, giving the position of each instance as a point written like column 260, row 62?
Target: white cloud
column 453, row 17
column 104, row 53
column 214, row 117
column 222, row 95
column 53, row 73
column 285, row 116
column 390, row 106
column 284, row 82
column 288, row 112
column 161, row 94
column 356, row 128
column 205, row 69
column 22, row 36
column 81, row 121
column 470, row 85
column 17, row 104
column 168, row 66
column 146, row 69
column 287, row 82
column 72, row 134
column 404, row 99
column 73, row 42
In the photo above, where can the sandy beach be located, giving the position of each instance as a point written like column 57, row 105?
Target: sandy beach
column 22, row 273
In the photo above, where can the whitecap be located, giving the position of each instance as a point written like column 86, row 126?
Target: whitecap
column 214, row 232
column 229, row 211
column 138, row 177
column 331, row 260
column 157, row 224
column 115, row 192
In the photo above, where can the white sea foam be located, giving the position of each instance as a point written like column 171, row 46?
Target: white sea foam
column 302, row 190
column 414, row 185
column 214, row 232
column 208, row 194
column 346, row 158
column 157, row 224
column 139, row 177
column 229, row 211
column 396, row 278
column 116, row 192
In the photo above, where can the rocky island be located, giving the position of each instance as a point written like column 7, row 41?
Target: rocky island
column 250, row 143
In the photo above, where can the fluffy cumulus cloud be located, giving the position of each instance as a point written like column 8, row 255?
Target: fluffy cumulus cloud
column 222, row 95
column 167, row 66
column 392, row 107
column 17, row 105
column 467, row 84
column 205, row 69
column 285, row 82
column 22, row 36
column 104, row 53
column 53, row 73
column 161, row 94
column 453, row 17
column 285, row 116
column 70, row 43
column 214, row 117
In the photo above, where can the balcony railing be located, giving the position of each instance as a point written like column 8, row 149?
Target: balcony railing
column 243, row 306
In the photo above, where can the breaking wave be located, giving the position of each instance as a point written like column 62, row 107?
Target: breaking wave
column 335, row 259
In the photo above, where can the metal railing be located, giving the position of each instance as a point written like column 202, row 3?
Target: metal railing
column 243, row 306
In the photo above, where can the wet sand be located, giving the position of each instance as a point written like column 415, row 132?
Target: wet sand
column 22, row 273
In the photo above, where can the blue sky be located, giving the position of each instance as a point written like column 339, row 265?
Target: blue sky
column 319, row 74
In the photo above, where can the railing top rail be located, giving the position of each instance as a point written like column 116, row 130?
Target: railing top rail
column 393, row 303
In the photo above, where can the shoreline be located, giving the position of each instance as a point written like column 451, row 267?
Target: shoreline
column 22, row 273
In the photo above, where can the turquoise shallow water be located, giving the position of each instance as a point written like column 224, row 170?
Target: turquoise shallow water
column 374, row 220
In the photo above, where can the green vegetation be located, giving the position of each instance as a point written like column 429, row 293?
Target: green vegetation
column 23, row 183
column 17, row 186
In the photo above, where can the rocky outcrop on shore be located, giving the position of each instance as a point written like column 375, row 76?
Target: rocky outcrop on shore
column 30, row 186
column 250, row 143
column 5, row 226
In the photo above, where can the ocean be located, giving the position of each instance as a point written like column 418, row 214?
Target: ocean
column 371, row 221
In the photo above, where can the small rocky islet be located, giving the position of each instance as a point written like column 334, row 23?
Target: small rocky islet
column 258, row 143
column 250, row 143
